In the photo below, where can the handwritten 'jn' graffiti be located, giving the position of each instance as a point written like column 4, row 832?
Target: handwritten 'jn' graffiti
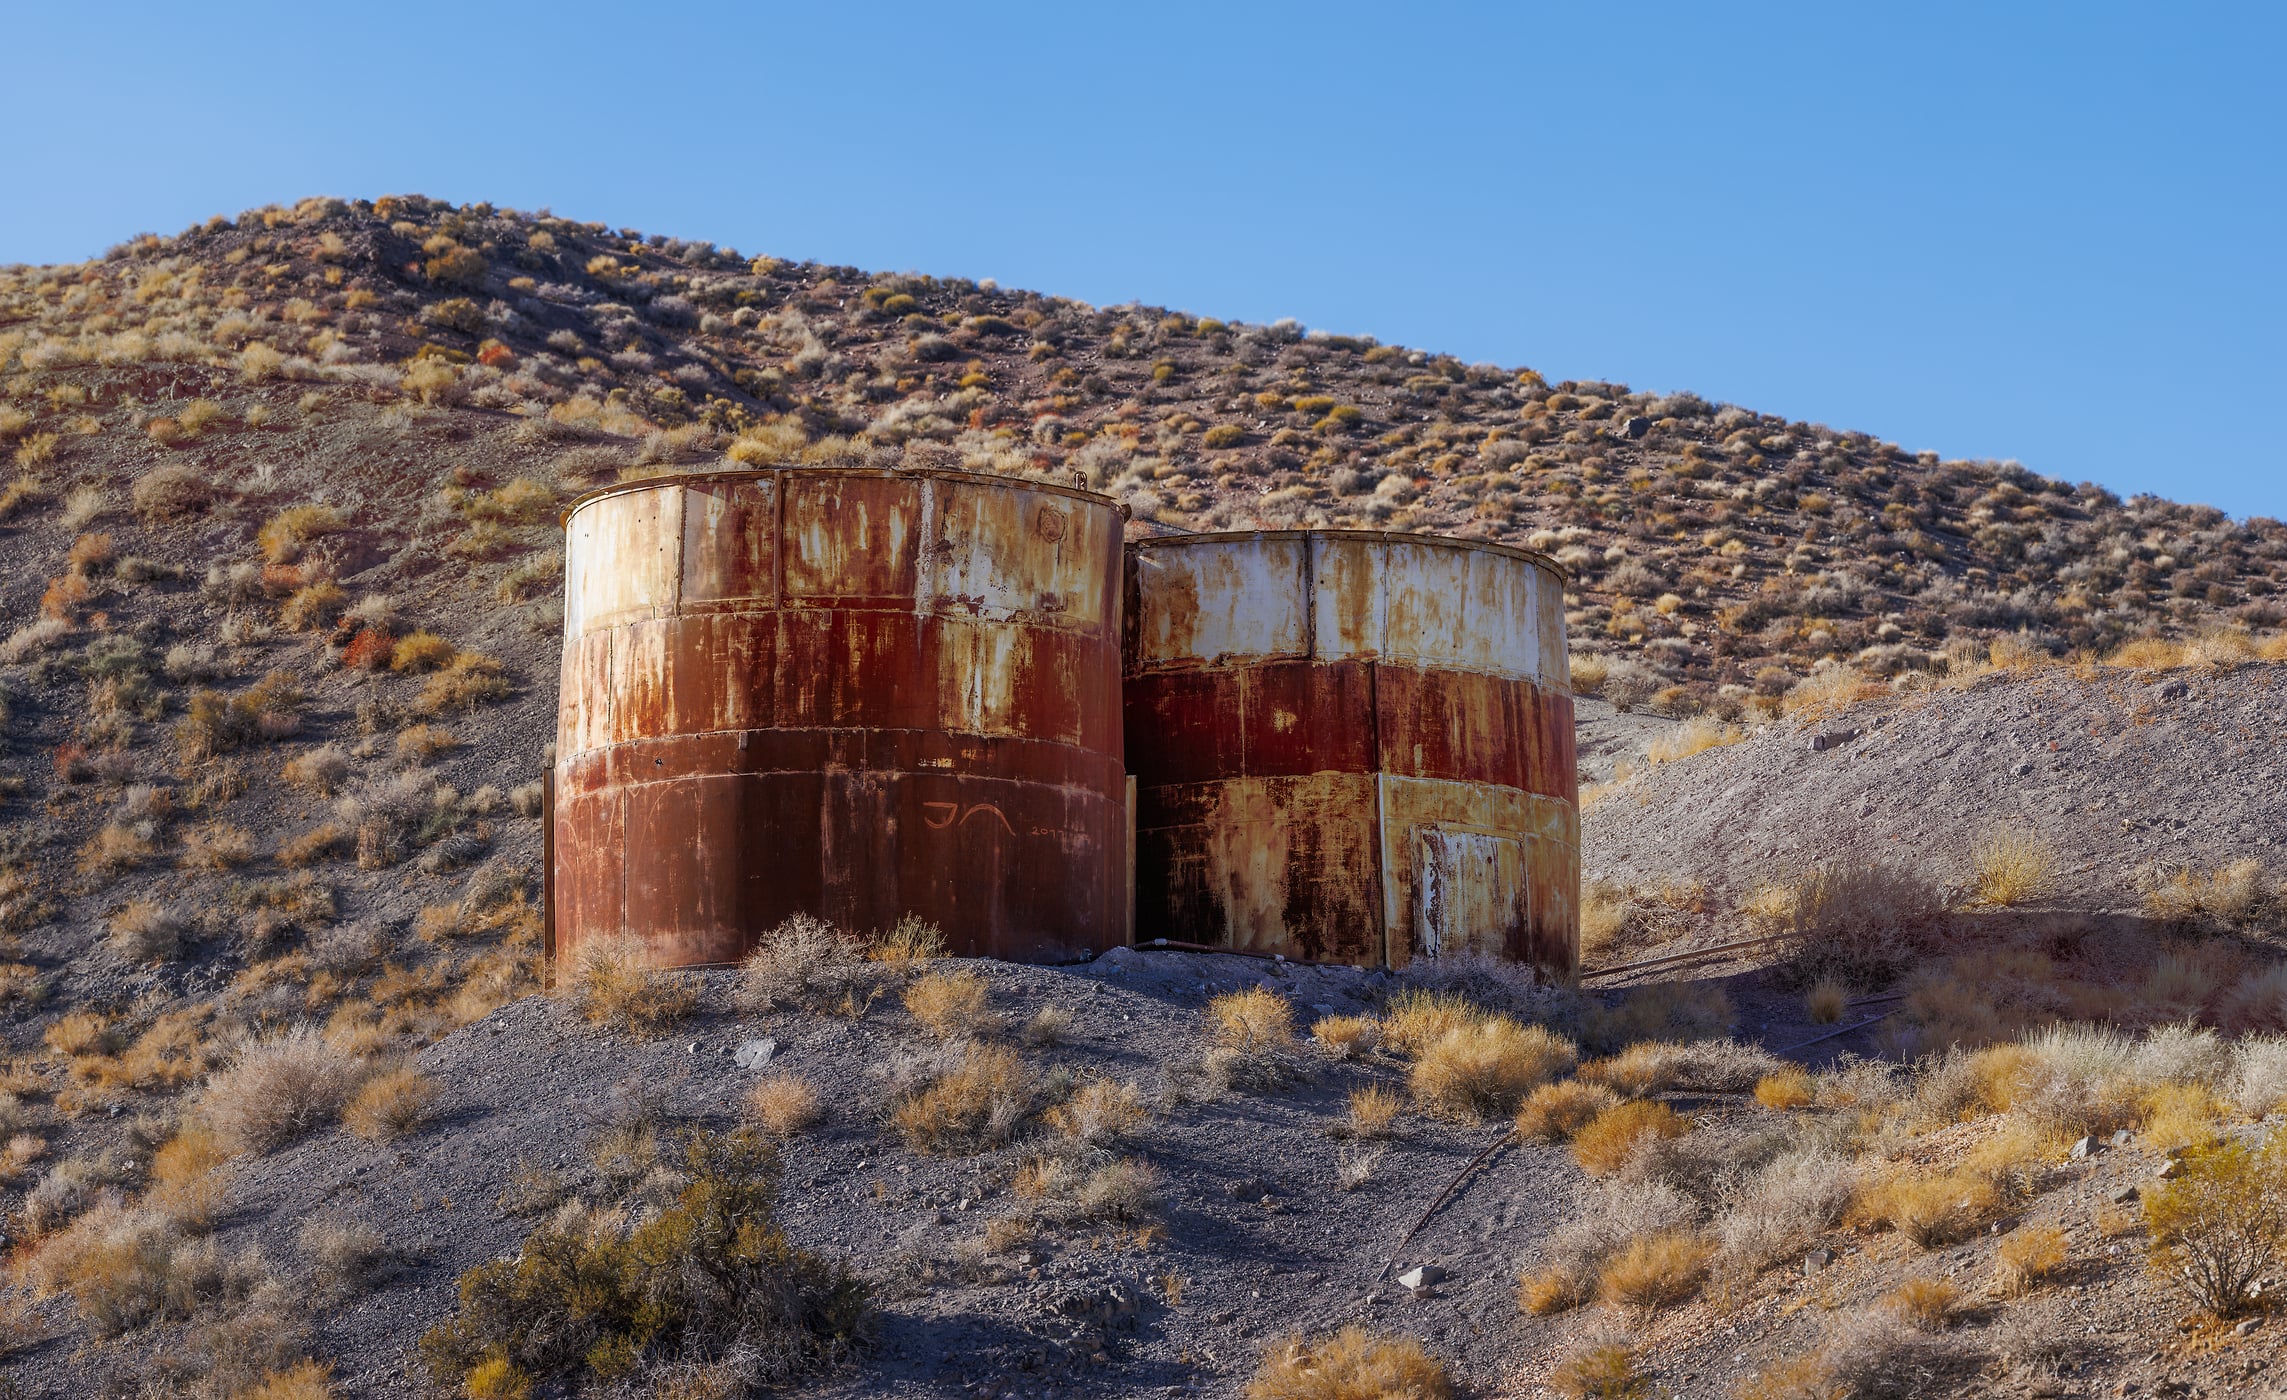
column 951, row 814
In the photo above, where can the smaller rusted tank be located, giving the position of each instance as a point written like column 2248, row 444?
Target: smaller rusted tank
column 849, row 693
column 1352, row 746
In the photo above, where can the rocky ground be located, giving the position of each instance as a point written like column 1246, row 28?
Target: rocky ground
column 2124, row 772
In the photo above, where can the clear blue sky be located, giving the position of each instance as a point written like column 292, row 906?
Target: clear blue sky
column 2046, row 232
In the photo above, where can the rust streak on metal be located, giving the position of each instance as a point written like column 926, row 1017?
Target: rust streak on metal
column 1352, row 746
column 844, row 692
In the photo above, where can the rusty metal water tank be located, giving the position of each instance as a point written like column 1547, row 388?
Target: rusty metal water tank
column 843, row 692
column 1352, row 746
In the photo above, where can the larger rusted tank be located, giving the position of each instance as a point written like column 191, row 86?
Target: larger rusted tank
column 848, row 693
column 1352, row 746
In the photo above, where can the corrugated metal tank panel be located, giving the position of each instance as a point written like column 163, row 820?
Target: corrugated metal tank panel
column 849, row 693
column 1353, row 746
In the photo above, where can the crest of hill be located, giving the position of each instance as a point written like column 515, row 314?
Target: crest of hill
column 1716, row 552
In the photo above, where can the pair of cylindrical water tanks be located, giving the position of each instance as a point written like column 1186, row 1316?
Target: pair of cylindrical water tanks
column 860, row 694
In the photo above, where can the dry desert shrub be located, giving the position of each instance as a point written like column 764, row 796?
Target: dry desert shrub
column 1088, row 1188
column 1791, row 1378
column 614, row 986
column 148, row 932
column 1655, row 1271
column 1373, row 1111
column 965, row 1097
column 1099, row 1113
column 1709, row 1066
column 1554, row 1112
column 1857, row 924
column 782, row 1104
column 346, row 1258
column 2011, row 867
column 1826, row 1000
column 2028, row 1256
column 594, row 1296
column 1928, row 1303
column 805, row 962
column 1600, row 1371
column 276, row 1091
column 318, row 771
column 470, row 679
column 1417, row 1017
column 1930, row 1208
column 1695, row 735
column 1789, row 1088
column 1484, row 1070
column 1605, row 1217
column 1345, row 1037
column 1049, row 1026
column 2220, row 1225
column 1604, row 1145
column 1878, row 1354
column 950, row 1005
column 283, row 535
column 2228, row 895
column 171, row 492
column 421, row 651
column 390, row 1104
column 1783, row 1207
column 216, row 846
column 1352, row 1364
column 911, row 941
column 2259, row 1078
column 125, row 1266
column 1255, row 1020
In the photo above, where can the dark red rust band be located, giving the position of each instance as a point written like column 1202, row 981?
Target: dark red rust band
column 1300, row 717
column 811, row 667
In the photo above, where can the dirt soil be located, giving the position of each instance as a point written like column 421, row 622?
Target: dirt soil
column 2122, row 771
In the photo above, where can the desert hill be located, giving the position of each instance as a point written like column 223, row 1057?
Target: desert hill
column 278, row 644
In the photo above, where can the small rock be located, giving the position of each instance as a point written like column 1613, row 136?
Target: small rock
column 2171, row 1169
column 2020, row 770
column 1833, row 739
column 1421, row 1276
column 1247, row 1188
column 754, row 1054
column 2123, row 1138
column 2126, row 1195
column 2084, row 1149
column 692, row 1048
column 2171, row 690
column 1816, row 1260
column 1635, row 427
column 2247, row 1328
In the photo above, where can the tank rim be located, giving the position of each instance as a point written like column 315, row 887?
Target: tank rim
column 1530, row 556
column 620, row 488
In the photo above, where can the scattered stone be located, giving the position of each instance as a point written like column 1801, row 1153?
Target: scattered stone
column 2171, row 1169
column 2123, row 1138
column 2247, row 1328
column 1816, row 1260
column 1421, row 1276
column 1833, row 739
column 754, row 1054
column 1247, row 1188
column 2084, row 1149
column 2126, row 1195
column 2171, row 690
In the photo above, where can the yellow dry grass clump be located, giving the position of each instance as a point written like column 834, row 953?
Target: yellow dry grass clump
column 1555, row 1112
column 390, row 1104
column 1695, row 735
column 2028, row 1256
column 1789, row 1088
column 950, row 1004
column 1254, row 1020
column 1928, row 1303
column 1604, row 1145
column 784, row 1104
column 1373, row 1109
column 976, row 1101
column 614, row 986
column 1352, row 1364
column 2010, row 868
column 1484, row 1070
column 1600, row 1371
column 1655, row 1271
column 1346, row 1037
